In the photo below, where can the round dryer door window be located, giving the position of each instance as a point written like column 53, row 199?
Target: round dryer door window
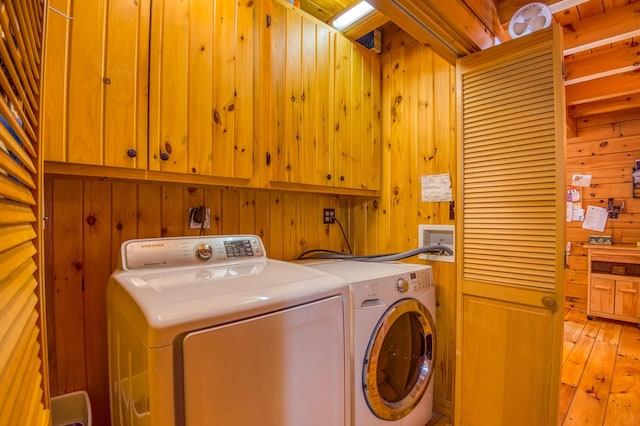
column 399, row 361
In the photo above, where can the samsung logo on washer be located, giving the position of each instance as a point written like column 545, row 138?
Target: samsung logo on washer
column 151, row 245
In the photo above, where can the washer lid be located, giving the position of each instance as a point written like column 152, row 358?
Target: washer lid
column 356, row 271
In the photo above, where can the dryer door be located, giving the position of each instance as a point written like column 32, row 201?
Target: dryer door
column 286, row 368
column 399, row 361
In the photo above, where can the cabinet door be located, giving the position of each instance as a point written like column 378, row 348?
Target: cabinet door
column 96, row 82
column 301, row 93
column 356, row 127
column 602, row 295
column 324, row 103
column 201, row 88
column 627, row 302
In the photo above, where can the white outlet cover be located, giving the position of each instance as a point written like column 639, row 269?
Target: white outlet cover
column 207, row 220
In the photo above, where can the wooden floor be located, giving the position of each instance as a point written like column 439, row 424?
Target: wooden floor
column 600, row 372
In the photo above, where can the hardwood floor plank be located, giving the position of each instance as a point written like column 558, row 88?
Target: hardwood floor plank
column 623, row 406
column 574, row 366
column 577, row 358
column 574, row 323
column 590, row 401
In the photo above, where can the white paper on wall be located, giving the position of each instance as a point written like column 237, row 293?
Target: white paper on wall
column 595, row 218
column 580, row 180
column 436, row 188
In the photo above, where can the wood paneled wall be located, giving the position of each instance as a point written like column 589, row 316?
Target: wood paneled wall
column 606, row 147
column 88, row 219
column 418, row 138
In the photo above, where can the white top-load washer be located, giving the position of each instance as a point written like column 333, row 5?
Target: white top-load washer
column 209, row 331
column 393, row 340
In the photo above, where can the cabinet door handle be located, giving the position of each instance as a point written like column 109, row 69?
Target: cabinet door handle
column 601, row 287
column 627, row 290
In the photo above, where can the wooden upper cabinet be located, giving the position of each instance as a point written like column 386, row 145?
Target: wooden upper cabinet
column 324, row 96
column 201, row 88
column 356, row 120
column 96, row 83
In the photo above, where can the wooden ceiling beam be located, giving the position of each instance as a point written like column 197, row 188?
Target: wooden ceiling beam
column 367, row 24
column 617, row 60
column 619, row 103
column 450, row 28
column 603, row 88
column 609, row 27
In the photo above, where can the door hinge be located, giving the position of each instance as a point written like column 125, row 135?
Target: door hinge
column 268, row 159
column 268, row 21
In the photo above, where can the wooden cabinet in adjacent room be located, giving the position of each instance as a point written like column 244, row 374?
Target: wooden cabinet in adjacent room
column 201, row 88
column 323, row 118
column 614, row 282
column 96, row 82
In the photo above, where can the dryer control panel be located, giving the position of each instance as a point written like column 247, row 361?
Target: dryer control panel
column 184, row 251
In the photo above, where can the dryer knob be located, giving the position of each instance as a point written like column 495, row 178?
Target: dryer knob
column 402, row 285
column 204, row 252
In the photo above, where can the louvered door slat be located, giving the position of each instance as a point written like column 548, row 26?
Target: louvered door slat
column 19, row 355
column 23, row 387
column 505, row 167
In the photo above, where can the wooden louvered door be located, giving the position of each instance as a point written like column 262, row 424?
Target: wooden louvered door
column 511, row 231
column 23, row 387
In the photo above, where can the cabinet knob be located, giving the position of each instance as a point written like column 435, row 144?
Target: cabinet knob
column 164, row 156
column 329, row 177
column 132, row 153
column 341, row 178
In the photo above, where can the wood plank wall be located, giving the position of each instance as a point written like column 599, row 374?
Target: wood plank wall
column 418, row 138
column 606, row 147
column 88, row 219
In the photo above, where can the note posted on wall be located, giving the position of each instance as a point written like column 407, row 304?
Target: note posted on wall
column 436, row 188
column 580, row 180
column 595, row 218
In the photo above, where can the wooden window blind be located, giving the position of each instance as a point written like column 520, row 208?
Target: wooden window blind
column 509, row 163
column 22, row 378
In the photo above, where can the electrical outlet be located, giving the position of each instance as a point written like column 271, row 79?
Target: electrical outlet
column 197, row 215
column 329, row 216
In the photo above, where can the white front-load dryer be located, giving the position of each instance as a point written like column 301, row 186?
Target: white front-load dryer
column 393, row 340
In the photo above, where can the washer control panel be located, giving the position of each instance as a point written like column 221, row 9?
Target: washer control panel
column 184, row 251
column 418, row 281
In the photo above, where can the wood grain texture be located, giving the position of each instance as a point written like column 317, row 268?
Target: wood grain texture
column 96, row 262
column 323, row 121
column 599, row 385
column 202, row 86
column 67, row 306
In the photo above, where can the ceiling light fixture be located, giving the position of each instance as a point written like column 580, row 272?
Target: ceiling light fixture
column 352, row 15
